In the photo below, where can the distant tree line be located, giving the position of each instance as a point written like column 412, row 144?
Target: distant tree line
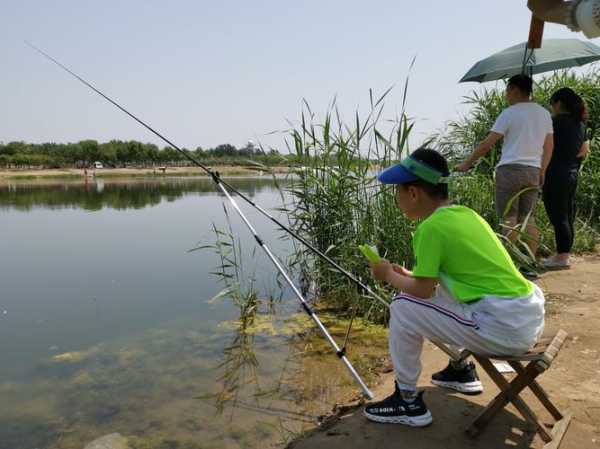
column 117, row 153
column 113, row 195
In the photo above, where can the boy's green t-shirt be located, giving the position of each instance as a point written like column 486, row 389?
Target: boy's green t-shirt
column 460, row 248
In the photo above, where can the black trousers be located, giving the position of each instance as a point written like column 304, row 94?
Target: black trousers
column 559, row 201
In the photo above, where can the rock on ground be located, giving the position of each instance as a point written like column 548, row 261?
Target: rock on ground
column 111, row 441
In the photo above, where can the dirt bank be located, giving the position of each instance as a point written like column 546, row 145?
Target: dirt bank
column 573, row 304
column 129, row 172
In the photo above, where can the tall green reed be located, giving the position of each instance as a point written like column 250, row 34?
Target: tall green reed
column 336, row 202
column 239, row 365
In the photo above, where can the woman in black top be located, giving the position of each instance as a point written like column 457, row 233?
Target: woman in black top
column 570, row 147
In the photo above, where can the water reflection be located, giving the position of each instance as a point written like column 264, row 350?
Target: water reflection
column 117, row 194
column 108, row 327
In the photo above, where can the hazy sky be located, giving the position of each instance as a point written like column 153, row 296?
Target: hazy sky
column 206, row 73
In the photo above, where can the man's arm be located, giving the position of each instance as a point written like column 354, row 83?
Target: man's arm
column 482, row 149
column 402, row 280
column 546, row 156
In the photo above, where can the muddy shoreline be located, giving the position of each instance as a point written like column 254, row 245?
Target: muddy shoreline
column 74, row 173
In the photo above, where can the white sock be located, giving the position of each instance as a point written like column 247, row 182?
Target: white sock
column 408, row 395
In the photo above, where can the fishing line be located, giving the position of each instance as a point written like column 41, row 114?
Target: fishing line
column 225, row 189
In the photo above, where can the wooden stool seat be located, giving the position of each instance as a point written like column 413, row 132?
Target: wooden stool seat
column 538, row 359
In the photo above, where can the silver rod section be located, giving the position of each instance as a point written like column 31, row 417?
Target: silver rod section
column 365, row 287
column 305, row 305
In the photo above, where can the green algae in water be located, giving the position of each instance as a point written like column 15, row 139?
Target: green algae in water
column 145, row 387
column 267, row 324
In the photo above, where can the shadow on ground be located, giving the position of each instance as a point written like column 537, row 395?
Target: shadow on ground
column 452, row 414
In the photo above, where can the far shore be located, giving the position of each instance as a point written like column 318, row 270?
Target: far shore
column 75, row 173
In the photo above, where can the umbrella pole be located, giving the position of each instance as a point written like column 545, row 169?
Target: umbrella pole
column 536, row 32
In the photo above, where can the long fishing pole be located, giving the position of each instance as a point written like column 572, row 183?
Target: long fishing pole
column 221, row 185
column 216, row 177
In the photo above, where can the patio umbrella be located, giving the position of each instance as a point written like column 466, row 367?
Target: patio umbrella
column 555, row 54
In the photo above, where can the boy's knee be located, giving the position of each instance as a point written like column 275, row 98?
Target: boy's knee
column 400, row 310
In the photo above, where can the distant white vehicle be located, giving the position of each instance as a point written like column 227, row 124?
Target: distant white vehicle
column 98, row 165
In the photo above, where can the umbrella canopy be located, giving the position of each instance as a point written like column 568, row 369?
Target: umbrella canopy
column 555, row 54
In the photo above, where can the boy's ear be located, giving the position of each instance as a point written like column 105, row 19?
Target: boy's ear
column 413, row 192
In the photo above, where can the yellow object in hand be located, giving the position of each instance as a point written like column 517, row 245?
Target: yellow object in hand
column 370, row 252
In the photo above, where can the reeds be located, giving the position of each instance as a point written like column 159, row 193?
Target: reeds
column 337, row 204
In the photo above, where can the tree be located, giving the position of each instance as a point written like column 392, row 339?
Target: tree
column 225, row 149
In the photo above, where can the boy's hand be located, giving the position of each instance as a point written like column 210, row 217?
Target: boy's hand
column 381, row 270
column 401, row 270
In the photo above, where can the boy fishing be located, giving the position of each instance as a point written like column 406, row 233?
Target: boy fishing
column 464, row 290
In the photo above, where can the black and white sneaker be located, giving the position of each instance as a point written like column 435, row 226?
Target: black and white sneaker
column 395, row 410
column 464, row 380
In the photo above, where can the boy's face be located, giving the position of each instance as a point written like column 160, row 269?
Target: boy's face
column 408, row 201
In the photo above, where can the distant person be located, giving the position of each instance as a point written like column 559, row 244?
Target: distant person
column 464, row 290
column 577, row 15
column 570, row 147
column 526, row 128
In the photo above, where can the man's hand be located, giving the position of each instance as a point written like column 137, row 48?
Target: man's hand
column 542, row 178
column 465, row 166
column 380, row 271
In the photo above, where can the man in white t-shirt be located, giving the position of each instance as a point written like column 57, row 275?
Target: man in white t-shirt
column 526, row 128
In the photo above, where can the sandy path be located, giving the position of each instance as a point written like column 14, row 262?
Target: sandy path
column 573, row 382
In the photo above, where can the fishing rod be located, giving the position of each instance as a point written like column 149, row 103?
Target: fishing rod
column 217, row 178
column 341, row 353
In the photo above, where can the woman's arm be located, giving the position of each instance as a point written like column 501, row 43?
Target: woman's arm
column 546, row 156
column 584, row 150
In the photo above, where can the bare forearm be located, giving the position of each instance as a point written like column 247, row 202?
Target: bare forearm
column 481, row 150
column 418, row 287
column 584, row 150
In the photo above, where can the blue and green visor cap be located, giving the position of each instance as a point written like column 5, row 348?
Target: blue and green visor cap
column 409, row 170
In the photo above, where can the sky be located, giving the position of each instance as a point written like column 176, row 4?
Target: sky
column 206, row 73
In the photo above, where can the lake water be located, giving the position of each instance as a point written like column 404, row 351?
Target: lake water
column 106, row 324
